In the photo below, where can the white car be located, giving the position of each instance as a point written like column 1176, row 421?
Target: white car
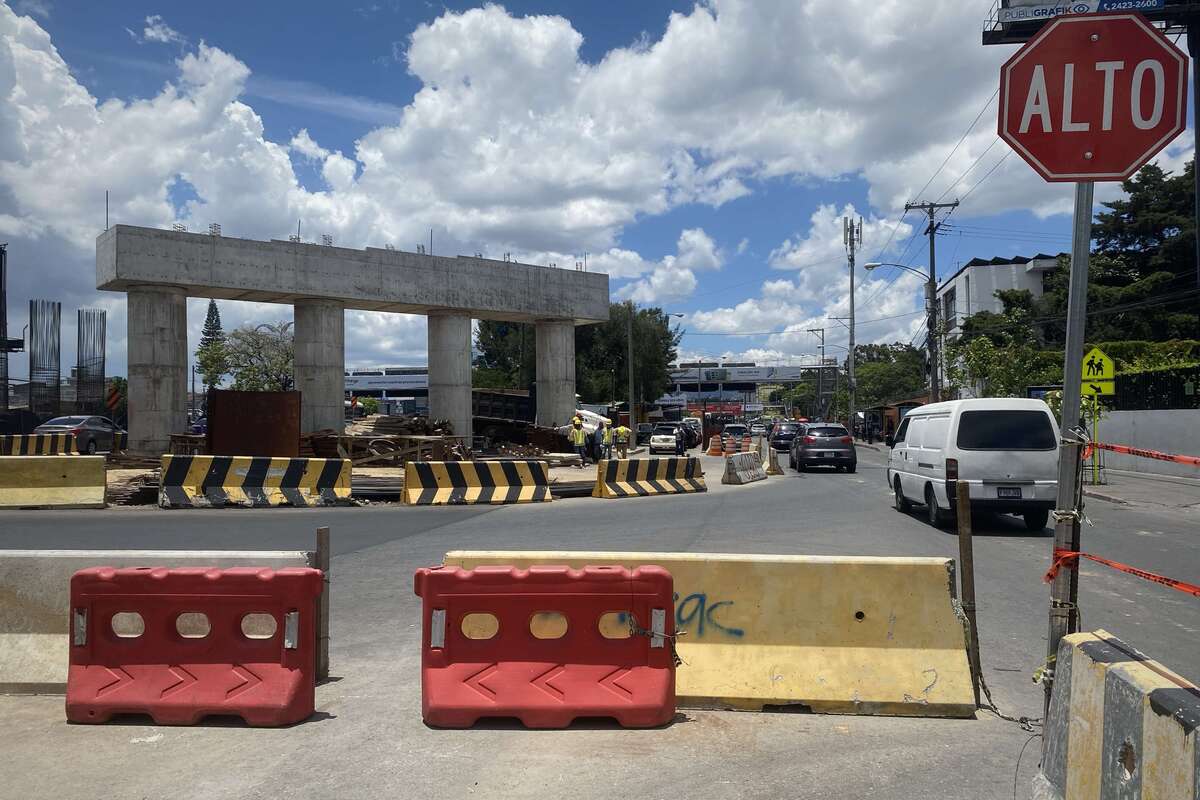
column 1004, row 449
column 662, row 440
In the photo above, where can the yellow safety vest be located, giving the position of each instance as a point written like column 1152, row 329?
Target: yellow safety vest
column 622, row 434
column 578, row 437
column 608, row 434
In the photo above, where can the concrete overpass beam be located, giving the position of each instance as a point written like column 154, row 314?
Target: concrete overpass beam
column 555, row 371
column 158, row 366
column 450, row 370
column 320, row 363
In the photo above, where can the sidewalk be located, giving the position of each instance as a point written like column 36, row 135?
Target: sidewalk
column 1139, row 488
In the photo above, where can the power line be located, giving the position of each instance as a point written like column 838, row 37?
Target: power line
column 966, row 133
column 995, row 167
column 967, row 171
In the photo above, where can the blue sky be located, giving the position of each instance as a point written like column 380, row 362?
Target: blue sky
column 702, row 154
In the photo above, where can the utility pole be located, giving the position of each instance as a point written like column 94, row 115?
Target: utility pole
column 852, row 235
column 1065, row 586
column 1193, row 39
column 629, row 342
column 931, row 315
column 820, row 372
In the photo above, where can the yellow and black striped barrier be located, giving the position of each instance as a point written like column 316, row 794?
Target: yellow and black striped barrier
column 647, row 476
column 38, row 444
column 454, row 483
column 252, row 481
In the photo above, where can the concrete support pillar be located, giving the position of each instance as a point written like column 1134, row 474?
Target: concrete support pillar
column 321, row 364
column 158, row 366
column 555, row 371
column 450, row 370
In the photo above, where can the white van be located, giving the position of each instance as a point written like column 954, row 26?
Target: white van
column 1006, row 450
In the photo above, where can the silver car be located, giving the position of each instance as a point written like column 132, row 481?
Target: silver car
column 823, row 444
column 92, row 434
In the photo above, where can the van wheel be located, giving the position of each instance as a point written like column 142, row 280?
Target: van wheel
column 1036, row 520
column 902, row 503
column 936, row 516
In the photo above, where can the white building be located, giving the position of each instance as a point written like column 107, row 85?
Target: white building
column 973, row 288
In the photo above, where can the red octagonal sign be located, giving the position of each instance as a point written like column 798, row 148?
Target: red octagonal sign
column 1093, row 97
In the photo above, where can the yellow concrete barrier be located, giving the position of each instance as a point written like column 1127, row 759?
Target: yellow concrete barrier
column 1120, row 725
column 853, row 635
column 52, row 481
column 641, row 477
column 456, row 483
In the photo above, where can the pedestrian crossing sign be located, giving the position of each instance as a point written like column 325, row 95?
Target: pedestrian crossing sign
column 1097, row 366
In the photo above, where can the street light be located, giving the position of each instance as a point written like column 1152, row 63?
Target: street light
column 935, row 384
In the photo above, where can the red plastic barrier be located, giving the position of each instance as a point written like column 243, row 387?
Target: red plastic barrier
column 176, row 679
column 547, row 683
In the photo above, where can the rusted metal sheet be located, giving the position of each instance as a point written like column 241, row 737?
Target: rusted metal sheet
column 254, row 423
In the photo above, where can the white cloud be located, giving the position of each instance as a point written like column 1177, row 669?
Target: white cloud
column 306, row 146
column 157, row 31
column 674, row 278
column 513, row 143
column 36, row 8
column 742, row 245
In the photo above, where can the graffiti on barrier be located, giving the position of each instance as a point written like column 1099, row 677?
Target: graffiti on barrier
column 697, row 609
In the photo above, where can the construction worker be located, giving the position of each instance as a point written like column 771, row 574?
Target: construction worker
column 621, row 437
column 579, row 441
column 605, row 432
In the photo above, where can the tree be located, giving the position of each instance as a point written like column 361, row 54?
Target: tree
column 887, row 372
column 262, row 358
column 1141, row 276
column 213, row 353
column 506, row 355
column 507, row 359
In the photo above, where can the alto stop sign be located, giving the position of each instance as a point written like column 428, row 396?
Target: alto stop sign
column 1093, row 97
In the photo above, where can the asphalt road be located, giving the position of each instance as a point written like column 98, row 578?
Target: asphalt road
column 369, row 741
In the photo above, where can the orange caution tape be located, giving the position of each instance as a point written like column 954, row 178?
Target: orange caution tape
column 1069, row 558
column 1134, row 451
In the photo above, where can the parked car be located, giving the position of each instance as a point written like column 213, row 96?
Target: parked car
column 200, row 426
column 92, row 434
column 782, row 435
column 823, row 444
column 736, row 430
column 1005, row 449
column 644, row 429
column 662, row 439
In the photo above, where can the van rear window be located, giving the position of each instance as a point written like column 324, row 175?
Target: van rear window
column 1005, row 430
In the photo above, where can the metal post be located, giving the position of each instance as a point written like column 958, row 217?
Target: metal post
column 966, row 567
column 629, row 342
column 1194, row 50
column 1066, row 530
column 853, row 235
column 323, row 558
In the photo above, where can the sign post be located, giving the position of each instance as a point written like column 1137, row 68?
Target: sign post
column 1089, row 98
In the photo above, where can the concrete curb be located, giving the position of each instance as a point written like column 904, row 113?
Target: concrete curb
column 1107, row 497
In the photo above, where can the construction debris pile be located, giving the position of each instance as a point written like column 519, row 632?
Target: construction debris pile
column 381, row 439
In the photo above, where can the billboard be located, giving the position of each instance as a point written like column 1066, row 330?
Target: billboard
column 1038, row 10
column 387, row 383
column 740, row 374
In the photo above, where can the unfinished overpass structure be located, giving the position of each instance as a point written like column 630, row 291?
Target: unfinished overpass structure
column 160, row 269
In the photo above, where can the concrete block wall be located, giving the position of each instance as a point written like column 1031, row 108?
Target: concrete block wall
column 1174, row 431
